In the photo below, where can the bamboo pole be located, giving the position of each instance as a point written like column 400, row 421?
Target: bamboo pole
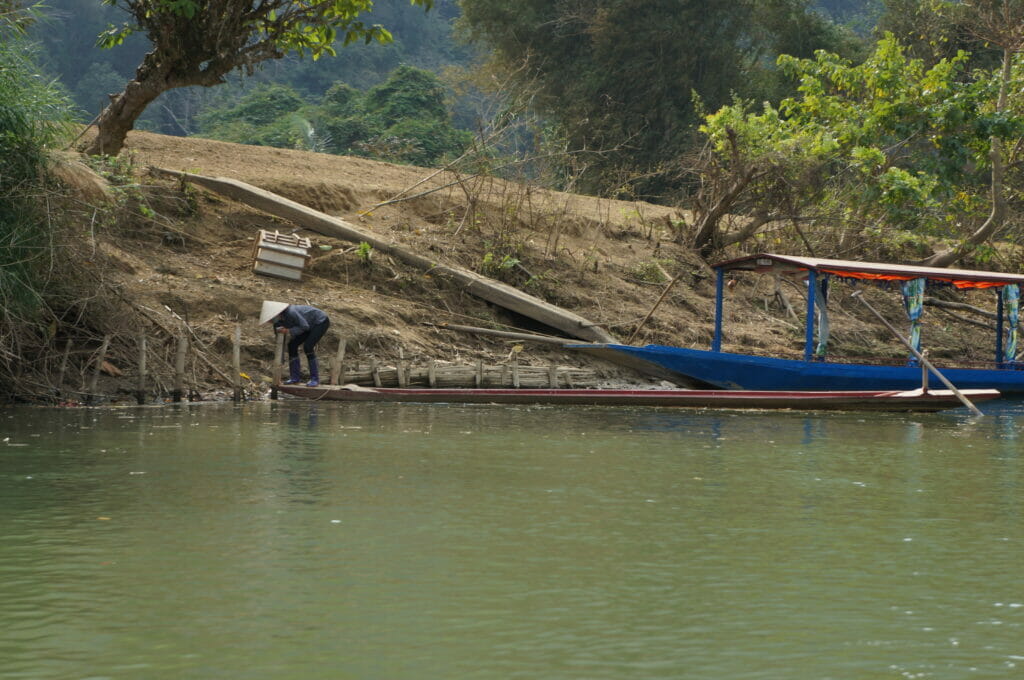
column 478, row 379
column 278, row 354
column 63, row 365
column 553, row 376
column 236, row 363
column 432, row 374
column 920, row 357
column 375, row 372
column 402, row 376
column 338, row 374
column 140, row 391
column 179, row 369
column 529, row 337
column 657, row 304
column 99, row 366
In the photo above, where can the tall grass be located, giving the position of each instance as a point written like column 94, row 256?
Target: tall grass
column 34, row 117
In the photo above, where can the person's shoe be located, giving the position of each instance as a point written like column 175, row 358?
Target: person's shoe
column 294, row 372
column 314, row 373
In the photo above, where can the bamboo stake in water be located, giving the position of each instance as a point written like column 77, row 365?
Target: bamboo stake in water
column 63, row 365
column 236, row 363
column 99, row 365
column 278, row 354
column 140, row 391
column 338, row 374
column 920, row 357
column 179, row 369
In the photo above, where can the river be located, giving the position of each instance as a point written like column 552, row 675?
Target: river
column 415, row 542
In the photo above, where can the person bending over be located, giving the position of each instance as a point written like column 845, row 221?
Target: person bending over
column 305, row 325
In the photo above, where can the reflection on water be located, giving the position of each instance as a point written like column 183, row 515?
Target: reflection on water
column 406, row 541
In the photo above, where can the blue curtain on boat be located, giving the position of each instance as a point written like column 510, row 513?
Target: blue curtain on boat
column 1011, row 305
column 913, row 302
column 821, row 302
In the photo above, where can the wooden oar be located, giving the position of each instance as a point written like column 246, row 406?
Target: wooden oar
column 920, row 357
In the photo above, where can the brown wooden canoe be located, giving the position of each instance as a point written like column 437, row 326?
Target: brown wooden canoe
column 856, row 400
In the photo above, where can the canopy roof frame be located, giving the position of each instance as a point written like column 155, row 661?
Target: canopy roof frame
column 814, row 269
column 868, row 271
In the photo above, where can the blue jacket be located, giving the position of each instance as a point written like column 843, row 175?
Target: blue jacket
column 298, row 319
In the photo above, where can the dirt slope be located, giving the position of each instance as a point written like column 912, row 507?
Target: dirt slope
column 188, row 254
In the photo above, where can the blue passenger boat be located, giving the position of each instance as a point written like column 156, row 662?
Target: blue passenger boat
column 816, row 370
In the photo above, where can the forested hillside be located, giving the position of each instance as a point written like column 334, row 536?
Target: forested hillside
column 69, row 29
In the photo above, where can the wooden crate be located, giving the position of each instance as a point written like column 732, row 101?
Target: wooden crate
column 280, row 255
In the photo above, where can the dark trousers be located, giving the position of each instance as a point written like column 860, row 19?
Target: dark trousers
column 308, row 340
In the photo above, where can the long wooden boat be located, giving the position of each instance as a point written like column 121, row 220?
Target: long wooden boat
column 851, row 400
column 715, row 368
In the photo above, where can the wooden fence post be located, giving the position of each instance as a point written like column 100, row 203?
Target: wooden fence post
column 179, row 369
column 338, row 374
column 63, row 365
column 278, row 354
column 96, row 372
column 140, row 390
column 236, row 363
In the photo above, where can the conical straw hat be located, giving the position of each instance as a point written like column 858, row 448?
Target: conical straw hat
column 271, row 309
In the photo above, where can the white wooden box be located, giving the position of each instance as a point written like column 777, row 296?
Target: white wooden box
column 280, row 255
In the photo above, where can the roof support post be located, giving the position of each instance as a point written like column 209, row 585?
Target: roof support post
column 1000, row 360
column 716, row 341
column 812, row 285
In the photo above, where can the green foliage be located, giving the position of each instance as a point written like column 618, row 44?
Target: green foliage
column 408, row 93
column 619, row 76
column 33, row 117
column 364, row 251
column 403, row 120
column 495, row 265
column 889, row 141
column 261, row 106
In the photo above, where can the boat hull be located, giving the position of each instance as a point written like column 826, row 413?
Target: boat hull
column 852, row 400
column 728, row 371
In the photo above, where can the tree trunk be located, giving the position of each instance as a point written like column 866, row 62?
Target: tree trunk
column 119, row 117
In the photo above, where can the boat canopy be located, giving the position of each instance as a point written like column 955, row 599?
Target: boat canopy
column 868, row 271
column 912, row 281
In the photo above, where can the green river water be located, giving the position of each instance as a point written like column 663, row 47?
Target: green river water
column 415, row 542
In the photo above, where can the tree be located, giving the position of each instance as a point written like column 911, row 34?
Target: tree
column 1001, row 23
column 889, row 146
column 402, row 120
column 199, row 43
column 622, row 74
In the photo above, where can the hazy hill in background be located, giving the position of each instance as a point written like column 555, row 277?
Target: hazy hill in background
column 68, row 37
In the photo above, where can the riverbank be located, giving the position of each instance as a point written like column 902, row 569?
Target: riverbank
column 173, row 260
